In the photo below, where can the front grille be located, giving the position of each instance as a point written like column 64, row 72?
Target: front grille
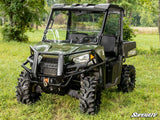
column 48, row 66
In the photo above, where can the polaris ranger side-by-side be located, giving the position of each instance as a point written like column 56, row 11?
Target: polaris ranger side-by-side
column 82, row 52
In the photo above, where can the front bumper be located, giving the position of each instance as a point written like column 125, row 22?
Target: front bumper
column 33, row 59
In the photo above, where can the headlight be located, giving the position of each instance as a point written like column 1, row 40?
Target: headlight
column 81, row 59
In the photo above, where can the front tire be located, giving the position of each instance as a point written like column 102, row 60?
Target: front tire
column 127, row 83
column 26, row 91
column 90, row 95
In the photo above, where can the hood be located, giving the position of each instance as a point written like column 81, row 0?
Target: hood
column 61, row 48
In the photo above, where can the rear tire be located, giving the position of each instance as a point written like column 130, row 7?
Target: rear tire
column 90, row 95
column 26, row 91
column 127, row 83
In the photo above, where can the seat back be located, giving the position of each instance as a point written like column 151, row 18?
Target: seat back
column 109, row 44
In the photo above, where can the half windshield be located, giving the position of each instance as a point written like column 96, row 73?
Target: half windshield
column 75, row 26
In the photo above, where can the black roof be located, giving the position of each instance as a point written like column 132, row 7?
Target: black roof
column 88, row 7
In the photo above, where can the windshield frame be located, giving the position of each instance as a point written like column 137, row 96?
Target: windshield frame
column 68, row 22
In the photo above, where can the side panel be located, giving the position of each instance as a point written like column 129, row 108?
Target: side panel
column 100, row 51
column 113, row 72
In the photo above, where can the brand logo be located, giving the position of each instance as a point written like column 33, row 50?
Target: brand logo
column 146, row 115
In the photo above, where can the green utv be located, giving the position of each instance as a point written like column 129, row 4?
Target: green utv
column 82, row 53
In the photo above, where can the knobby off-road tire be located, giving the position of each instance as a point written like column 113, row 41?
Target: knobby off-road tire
column 25, row 92
column 90, row 95
column 127, row 83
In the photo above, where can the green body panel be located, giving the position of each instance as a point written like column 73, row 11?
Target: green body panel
column 66, row 48
column 100, row 51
